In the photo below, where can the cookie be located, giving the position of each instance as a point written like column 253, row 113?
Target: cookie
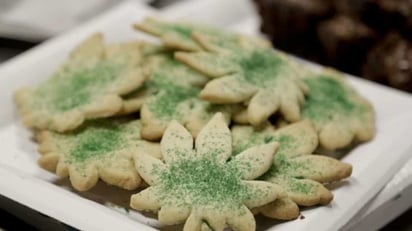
column 294, row 167
column 228, row 41
column 171, row 93
column 281, row 209
column 158, row 59
column 88, row 85
column 176, row 102
column 198, row 185
column 176, row 35
column 338, row 112
column 103, row 148
column 260, row 77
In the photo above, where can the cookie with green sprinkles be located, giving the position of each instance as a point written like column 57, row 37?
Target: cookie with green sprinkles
column 100, row 149
column 264, row 79
column 171, row 93
column 157, row 61
column 338, row 112
column 183, row 35
column 177, row 102
column 228, row 41
column 199, row 185
column 294, row 168
column 88, row 85
column 175, row 35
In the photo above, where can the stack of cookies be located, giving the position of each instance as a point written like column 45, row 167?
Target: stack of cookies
column 218, row 125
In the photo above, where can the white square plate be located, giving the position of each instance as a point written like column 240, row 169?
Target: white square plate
column 103, row 208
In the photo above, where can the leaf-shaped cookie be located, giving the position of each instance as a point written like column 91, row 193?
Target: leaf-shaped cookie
column 179, row 35
column 294, row 168
column 265, row 79
column 197, row 185
column 171, row 93
column 176, row 102
column 102, row 148
column 176, row 35
column 338, row 112
column 88, row 85
column 157, row 59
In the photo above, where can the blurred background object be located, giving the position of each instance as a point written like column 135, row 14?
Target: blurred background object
column 369, row 38
column 26, row 23
column 35, row 20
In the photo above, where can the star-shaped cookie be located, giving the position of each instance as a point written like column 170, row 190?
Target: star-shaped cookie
column 264, row 79
column 103, row 148
column 88, row 85
column 155, row 61
column 198, row 185
column 294, row 168
column 338, row 112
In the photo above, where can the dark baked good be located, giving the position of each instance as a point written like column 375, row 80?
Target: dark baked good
column 345, row 42
column 390, row 62
column 341, row 33
column 291, row 24
column 385, row 15
column 352, row 8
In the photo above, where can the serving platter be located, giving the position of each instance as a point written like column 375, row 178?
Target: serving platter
column 106, row 207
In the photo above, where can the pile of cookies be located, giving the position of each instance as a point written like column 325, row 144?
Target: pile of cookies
column 237, row 121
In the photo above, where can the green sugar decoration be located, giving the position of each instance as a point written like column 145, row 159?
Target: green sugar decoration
column 170, row 62
column 182, row 30
column 96, row 140
column 260, row 66
column 327, row 97
column 301, row 186
column 169, row 96
column 268, row 139
column 281, row 164
column 254, row 139
column 204, row 182
column 286, row 167
column 286, row 143
column 71, row 89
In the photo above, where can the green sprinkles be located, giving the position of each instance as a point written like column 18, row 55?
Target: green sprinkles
column 268, row 139
column 260, row 67
column 169, row 62
column 169, row 96
column 186, row 30
column 328, row 97
column 300, row 186
column 71, row 89
column 202, row 182
column 285, row 167
column 272, row 172
column 167, row 89
column 254, row 138
column 182, row 30
column 145, row 86
column 281, row 165
column 94, row 141
column 286, row 143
